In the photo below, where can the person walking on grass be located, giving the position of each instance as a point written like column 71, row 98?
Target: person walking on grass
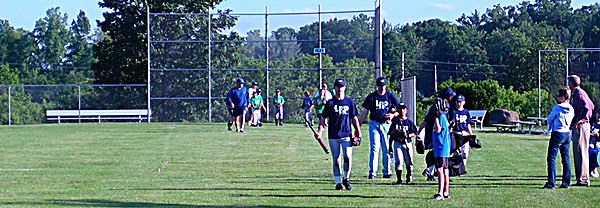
column 559, row 120
column 308, row 105
column 237, row 101
column 343, row 115
column 580, row 127
column 402, row 132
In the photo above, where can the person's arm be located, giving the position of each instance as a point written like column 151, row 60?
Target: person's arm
column 469, row 121
column 229, row 101
column 438, row 125
column 357, row 131
column 363, row 116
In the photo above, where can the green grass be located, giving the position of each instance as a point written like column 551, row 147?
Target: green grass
column 200, row 165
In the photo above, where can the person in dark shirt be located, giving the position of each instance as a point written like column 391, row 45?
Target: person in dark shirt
column 378, row 105
column 237, row 101
column 343, row 115
column 461, row 118
column 402, row 131
column 580, row 127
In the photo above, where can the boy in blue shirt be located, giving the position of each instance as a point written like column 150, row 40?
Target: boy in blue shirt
column 559, row 121
column 402, row 131
column 462, row 125
column 343, row 115
column 441, row 148
column 307, row 104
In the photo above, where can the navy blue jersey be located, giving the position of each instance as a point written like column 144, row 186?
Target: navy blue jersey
column 462, row 119
column 238, row 96
column 307, row 104
column 340, row 114
column 379, row 105
column 407, row 126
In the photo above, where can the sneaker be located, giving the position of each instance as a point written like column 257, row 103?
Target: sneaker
column 237, row 130
column 437, row 197
column 582, row 184
column 398, row 182
column 259, row 124
column 447, row 196
column 241, row 130
column 595, row 174
column 387, row 176
column 229, row 125
column 371, row 177
column 347, row 184
column 548, row 186
column 338, row 187
column 425, row 173
column 409, row 180
column 430, row 178
column 564, row 186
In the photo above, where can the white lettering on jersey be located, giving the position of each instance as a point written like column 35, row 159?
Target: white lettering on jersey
column 341, row 109
column 461, row 118
column 381, row 105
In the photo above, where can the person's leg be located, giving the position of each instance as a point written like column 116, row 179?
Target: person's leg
column 577, row 154
column 407, row 155
column 439, row 161
column 375, row 144
column 553, row 146
column 281, row 116
column 243, row 120
column 585, row 153
column 348, row 151
column 334, row 145
column 385, row 142
column 446, row 193
column 397, row 147
column 464, row 150
column 566, row 162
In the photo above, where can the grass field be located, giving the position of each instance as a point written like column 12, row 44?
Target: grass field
column 200, row 165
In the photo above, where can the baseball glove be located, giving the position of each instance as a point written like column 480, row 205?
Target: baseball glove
column 356, row 141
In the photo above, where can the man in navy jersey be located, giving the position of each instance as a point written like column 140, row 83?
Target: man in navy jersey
column 379, row 104
column 237, row 101
column 462, row 125
column 342, row 114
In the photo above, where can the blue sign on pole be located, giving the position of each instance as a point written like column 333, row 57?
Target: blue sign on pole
column 318, row 50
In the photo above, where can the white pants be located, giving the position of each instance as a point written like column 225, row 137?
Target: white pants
column 403, row 154
column 464, row 152
column 338, row 146
column 256, row 116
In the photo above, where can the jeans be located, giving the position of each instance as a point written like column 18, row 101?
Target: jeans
column 559, row 141
column 379, row 138
column 339, row 147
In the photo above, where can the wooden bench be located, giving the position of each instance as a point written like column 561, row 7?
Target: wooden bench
column 124, row 114
column 505, row 127
column 477, row 117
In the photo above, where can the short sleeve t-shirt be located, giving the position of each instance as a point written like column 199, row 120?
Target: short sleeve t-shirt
column 307, row 103
column 462, row 118
column 441, row 141
column 340, row 114
column 319, row 105
column 407, row 126
column 278, row 100
column 256, row 101
column 379, row 105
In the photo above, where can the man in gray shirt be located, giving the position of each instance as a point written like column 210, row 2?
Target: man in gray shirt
column 580, row 128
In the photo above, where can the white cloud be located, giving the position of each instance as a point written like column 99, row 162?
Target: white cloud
column 442, row 6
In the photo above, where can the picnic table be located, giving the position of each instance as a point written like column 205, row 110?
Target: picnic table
column 540, row 123
column 525, row 123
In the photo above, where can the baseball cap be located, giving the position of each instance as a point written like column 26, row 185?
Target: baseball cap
column 402, row 105
column 241, row 81
column 449, row 93
column 278, row 90
column 460, row 98
column 381, row 81
column 258, row 90
column 254, row 83
column 340, row 82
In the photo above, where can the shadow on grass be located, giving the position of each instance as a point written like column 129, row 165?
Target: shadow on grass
column 206, row 189
column 353, row 196
column 111, row 203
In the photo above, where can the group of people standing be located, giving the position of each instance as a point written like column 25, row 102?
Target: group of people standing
column 241, row 99
column 570, row 120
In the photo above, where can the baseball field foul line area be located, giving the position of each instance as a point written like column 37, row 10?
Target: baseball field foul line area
column 203, row 165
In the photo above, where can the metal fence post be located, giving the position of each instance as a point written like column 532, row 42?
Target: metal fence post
column 79, row 102
column 267, row 57
column 148, row 52
column 209, row 67
column 9, row 106
column 320, row 46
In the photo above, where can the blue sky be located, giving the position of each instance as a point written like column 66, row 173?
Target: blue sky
column 24, row 13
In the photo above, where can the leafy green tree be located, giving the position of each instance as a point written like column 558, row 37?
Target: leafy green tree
column 52, row 37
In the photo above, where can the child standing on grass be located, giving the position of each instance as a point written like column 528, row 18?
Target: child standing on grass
column 402, row 131
column 594, row 146
column 278, row 101
column 307, row 104
column 256, row 104
column 559, row 121
column 441, row 148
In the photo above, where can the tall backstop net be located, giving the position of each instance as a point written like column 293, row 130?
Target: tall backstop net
column 192, row 67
